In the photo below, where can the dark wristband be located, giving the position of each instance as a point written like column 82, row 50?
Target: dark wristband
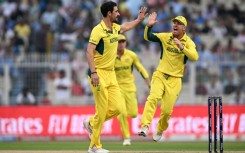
column 93, row 72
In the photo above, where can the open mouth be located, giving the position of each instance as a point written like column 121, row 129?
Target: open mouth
column 175, row 29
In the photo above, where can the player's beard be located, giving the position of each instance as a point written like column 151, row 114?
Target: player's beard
column 115, row 20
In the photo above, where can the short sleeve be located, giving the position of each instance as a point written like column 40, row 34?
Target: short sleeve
column 95, row 36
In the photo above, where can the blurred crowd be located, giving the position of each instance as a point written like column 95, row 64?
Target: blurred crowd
column 57, row 31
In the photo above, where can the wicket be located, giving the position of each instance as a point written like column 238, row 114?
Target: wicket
column 215, row 100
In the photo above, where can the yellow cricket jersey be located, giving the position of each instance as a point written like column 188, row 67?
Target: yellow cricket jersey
column 106, row 42
column 124, row 70
column 172, row 59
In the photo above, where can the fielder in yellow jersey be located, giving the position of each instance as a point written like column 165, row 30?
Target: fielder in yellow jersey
column 101, row 55
column 125, row 62
column 166, row 84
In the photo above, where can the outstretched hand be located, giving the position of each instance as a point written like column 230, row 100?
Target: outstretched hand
column 152, row 19
column 142, row 13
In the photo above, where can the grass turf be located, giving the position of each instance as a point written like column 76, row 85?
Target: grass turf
column 136, row 146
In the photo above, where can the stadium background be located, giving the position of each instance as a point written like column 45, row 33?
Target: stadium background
column 40, row 38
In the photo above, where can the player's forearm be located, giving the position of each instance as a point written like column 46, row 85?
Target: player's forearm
column 90, row 59
column 149, row 36
column 129, row 25
column 148, row 82
column 141, row 68
column 191, row 53
column 90, row 56
column 144, row 73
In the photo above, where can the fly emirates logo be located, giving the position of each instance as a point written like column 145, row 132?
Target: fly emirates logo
column 55, row 125
column 72, row 124
column 232, row 123
column 21, row 125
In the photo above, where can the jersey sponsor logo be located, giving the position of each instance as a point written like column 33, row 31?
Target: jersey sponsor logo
column 112, row 40
column 170, row 40
column 174, row 50
column 127, row 60
column 122, row 68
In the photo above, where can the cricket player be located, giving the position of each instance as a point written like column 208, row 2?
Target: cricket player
column 166, row 83
column 101, row 55
column 125, row 62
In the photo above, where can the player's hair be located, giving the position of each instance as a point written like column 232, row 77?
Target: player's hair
column 107, row 7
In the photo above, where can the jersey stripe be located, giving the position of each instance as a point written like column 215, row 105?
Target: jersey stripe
column 152, row 37
column 185, row 59
column 100, row 47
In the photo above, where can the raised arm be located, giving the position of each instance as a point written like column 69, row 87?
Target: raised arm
column 129, row 25
column 148, row 35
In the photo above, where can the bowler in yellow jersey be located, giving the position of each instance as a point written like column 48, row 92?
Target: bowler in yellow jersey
column 101, row 55
column 125, row 62
column 176, row 49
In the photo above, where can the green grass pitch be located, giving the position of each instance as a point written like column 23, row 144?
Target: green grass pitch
column 117, row 145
